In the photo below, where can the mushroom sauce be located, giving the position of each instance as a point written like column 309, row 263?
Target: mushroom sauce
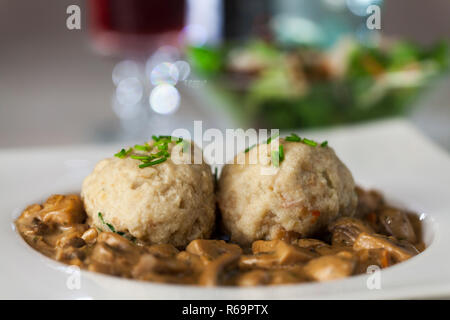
column 378, row 235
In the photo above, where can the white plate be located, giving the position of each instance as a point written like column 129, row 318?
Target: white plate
column 390, row 156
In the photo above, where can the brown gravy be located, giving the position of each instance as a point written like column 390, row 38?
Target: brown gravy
column 379, row 235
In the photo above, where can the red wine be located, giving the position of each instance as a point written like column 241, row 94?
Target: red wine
column 135, row 24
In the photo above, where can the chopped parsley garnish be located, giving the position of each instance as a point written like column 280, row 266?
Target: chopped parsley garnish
column 109, row 225
column 162, row 147
column 133, row 156
column 295, row 138
column 142, row 148
column 123, row 153
column 277, row 156
column 281, row 152
column 250, row 148
column 184, row 145
column 268, row 141
column 311, row 143
column 152, row 163
column 272, row 137
column 162, row 153
column 276, row 159
column 161, row 143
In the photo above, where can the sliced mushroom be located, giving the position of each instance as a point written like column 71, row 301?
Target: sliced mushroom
column 253, row 278
column 400, row 251
column 382, row 236
column 370, row 257
column 39, row 228
column 148, row 263
column 262, row 246
column 346, row 230
column 316, row 245
column 71, row 255
column 114, row 255
column 90, row 236
column 102, row 254
column 290, row 275
column 70, row 247
column 268, row 254
column 168, row 278
column 116, row 242
column 76, row 242
column 193, row 260
column 368, row 201
column 288, row 254
column 416, row 223
column 396, row 223
column 30, row 212
column 216, row 273
column 331, row 267
column 163, row 250
column 63, row 210
column 212, row 249
column 288, row 236
column 71, row 236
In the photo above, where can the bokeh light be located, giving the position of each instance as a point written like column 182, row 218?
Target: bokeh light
column 164, row 99
column 334, row 4
column 163, row 54
column 163, row 70
column 297, row 30
column 129, row 91
column 126, row 112
column 359, row 7
column 126, row 69
column 164, row 73
column 195, row 34
column 166, row 53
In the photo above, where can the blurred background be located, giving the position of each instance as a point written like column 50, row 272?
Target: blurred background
column 139, row 67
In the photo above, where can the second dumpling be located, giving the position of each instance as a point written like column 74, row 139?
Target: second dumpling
column 311, row 188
